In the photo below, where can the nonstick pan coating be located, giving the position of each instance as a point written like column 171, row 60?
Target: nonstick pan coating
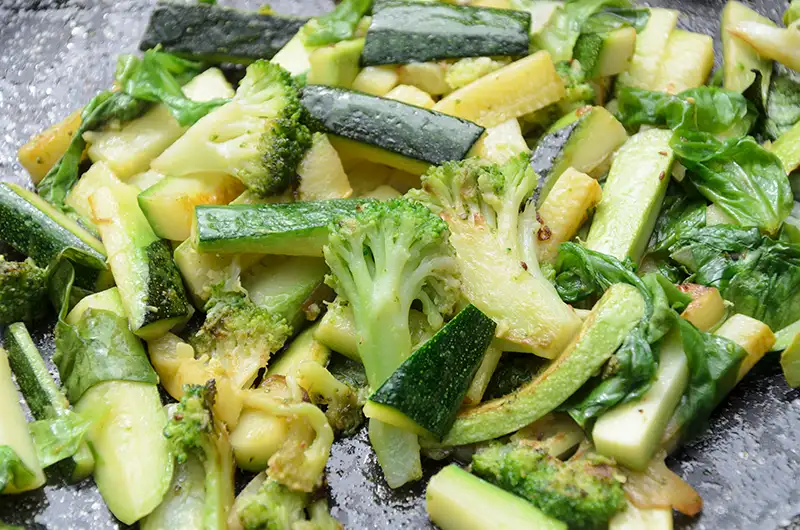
column 56, row 54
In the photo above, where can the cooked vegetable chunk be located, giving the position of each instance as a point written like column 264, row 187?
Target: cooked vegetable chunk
column 258, row 137
column 23, row 291
column 217, row 34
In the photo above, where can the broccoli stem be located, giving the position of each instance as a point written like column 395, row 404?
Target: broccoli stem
column 217, row 485
column 386, row 340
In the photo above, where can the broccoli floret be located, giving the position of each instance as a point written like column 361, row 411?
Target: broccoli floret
column 23, row 291
column 300, row 462
column 382, row 260
column 193, row 431
column 238, row 333
column 584, row 493
column 493, row 228
column 259, row 137
column 275, row 507
column 343, row 403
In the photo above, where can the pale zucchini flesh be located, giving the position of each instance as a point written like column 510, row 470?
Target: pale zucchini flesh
column 632, row 196
column 651, row 47
column 321, row 173
column 687, row 63
column 739, row 58
column 376, row 80
column 411, row 95
column 520, row 88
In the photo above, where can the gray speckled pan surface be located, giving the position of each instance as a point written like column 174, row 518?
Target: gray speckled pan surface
column 56, row 54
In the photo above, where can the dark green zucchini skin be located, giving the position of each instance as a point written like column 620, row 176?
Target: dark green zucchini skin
column 217, row 34
column 31, row 231
column 547, row 156
column 297, row 228
column 165, row 290
column 430, row 386
column 403, row 32
column 410, row 131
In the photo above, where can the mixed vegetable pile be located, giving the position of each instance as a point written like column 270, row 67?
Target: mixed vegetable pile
column 537, row 238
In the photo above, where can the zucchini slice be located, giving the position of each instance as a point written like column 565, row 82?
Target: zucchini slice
column 321, row 173
column 458, row 500
column 406, row 32
column 148, row 280
column 424, row 394
column 35, row 228
column 632, row 196
column 169, row 204
column 687, row 62
column 583, row 140
column 42, row 395
column 739, row 59
column 421, row 136
column 43, row 150
column 335, row 65
column 606, row 54
column 217, row 34
column 651, row 47
column 520, row 88
column 293, row 229
column 14, row 433
column 787, row 148
column 610, row 321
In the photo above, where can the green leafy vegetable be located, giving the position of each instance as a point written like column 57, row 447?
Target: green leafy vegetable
column 338, row 25
column 103, row 108
column 629, row 374
column 58, row 438
column 746, row 181
column 100, row 347
column 614, row 18
column 713, row 367
column 157, row 77
column 13, row 470
column 679, row 214
column 759, row 275
column 779, row 104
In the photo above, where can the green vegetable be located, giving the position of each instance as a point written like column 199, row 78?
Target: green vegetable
column 583, row 139
column 632, row 196
column 148, row 280
column 62, row 429
column 790, row 363
column 103, row 108
column 760, row 276
column 584, row 493
column 457, row 500
column 561, row 33
column 404, row 31
column 792, row 13
column 336, row 65
column 739, row 59
column 183, row 504
column 157, row 77
column 781, row 106
column 612, row 319
column 582, row 272
column 192, row 430
column 36, row 229
column 23, row 291
column 713, row 372
column 679, row 215
column 13, row 471
column 512, row 372
column 605, row 54
column 746, row 181
column 414, row 133
column 493, row 229
column 217, row 34
column 342, row 402
column 259, row 136
column 337, row 25
column 94, row 345
column 382, row 260
column 265, row 503
column 19, row 466
column 238, row 333
column 297, row 228
column 424, row 393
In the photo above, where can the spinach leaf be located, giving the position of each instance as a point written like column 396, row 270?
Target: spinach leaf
column 759, row 275
column 715, row 111
column 630, row 373
column 713, row 366
column 337, row 25
column 746, row 181
column 157, row 77
column 13, row 470
column 679, row 214
column 100, row 347
column 565, row 26
column 103, row 108
column 58, row 438
column 614, row 18
column 782, row 108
